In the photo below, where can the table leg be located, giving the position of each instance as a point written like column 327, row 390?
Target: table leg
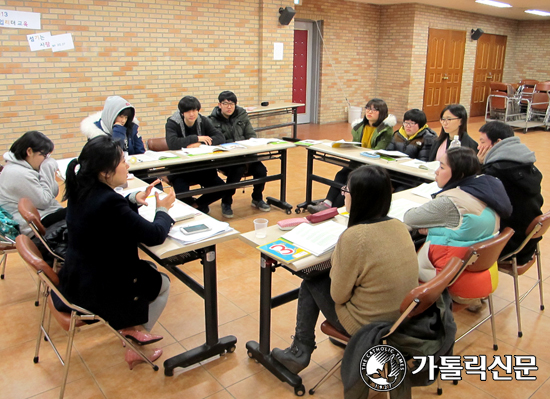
column 261, row 351
column 214, row 345
column 309, row 182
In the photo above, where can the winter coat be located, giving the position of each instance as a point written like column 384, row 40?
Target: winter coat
column 178, row 138
column 418, row 146
column 236, row 128
column 381, row 136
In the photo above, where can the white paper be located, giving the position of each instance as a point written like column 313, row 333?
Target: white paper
column 400, row 206
column 257, row 141
column 393, row 154
column 216, row 228
column 278, row 51
column 342, row 144
column 416, row 163
column 203, row 149
column 62, row 42
column 62, row 165
column 180, row 210
column 149, row 156
column 317, row 239
column 426, row 190
column 19, row 19
column 39, row 41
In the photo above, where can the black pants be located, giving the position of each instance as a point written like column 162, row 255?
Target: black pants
column 206, row 178
column 236, row 173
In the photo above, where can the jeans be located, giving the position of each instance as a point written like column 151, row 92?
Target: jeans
column 206, row 178
column 314, row 297
column 237, row 172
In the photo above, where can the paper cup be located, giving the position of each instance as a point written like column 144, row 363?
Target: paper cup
column 260, row 226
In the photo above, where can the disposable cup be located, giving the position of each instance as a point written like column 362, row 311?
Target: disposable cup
column 260, row 226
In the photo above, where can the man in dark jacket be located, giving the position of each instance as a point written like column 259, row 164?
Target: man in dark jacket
column 414, row 138
column 186, row 128
column 235, row 125
column 502, row 155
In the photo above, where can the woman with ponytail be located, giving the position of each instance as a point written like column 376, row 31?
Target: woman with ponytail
column 102, row 271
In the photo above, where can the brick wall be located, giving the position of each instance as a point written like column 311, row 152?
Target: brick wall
column 533, row 51
column 349, row 59
column 151, row 52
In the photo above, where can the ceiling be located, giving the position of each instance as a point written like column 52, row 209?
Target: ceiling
column 515, row 12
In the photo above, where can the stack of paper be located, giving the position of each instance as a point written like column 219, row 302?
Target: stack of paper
column 316, row 239
column 400, row 206
column 343, row 144
column 257, row 141
column 180, row 210
column 232, row 146
column 203, row 149
column 393, row 154
column 216, row 228
column 426, row 190
column 416, row 163
column 149, row 156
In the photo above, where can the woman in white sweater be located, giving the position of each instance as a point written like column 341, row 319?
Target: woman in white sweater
column 30, row 173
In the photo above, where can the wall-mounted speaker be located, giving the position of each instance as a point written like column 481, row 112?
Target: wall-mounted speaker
column 286, row 15
column 476, row 34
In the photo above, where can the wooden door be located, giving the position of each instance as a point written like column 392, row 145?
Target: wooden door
column 489, row 66
column 444, row 64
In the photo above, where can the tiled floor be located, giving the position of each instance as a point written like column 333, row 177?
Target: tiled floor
column 98, row 369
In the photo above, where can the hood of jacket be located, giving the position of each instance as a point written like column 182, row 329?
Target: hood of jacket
column 113, row 106
column 176, row 117
column 510, row 149
column 90, row 126
column 10, row 157
column 390, row 121
column 487, row 189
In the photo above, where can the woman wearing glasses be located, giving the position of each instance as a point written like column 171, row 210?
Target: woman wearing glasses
column 454, row 122
column 414, row 138
column 368, row 279
column 30, row 173
column 375, row 131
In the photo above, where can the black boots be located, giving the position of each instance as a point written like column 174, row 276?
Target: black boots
column 296, row 358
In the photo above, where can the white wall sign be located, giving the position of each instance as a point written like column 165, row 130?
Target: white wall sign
column 277, row 51
column 19, row 19
column 62, row 42
column 39, row 41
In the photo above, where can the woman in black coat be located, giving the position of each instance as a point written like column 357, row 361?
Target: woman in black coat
column 102, row 271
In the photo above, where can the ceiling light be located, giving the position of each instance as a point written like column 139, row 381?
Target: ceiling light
column 538, row 12
column 494, row 3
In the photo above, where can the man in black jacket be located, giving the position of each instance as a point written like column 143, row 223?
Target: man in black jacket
column 502, row 155
column 235, row 125
column 186, row 128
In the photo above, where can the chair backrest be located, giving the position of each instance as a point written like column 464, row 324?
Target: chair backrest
column 29, row 212
column 158, row 144
column 488, row 251
column 426, row 294
column 542, row 87
column 498, row 87
column 32, row 256
column 528, row 82
column 540, row 101
column 536, row 229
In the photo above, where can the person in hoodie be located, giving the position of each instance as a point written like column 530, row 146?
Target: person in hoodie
column 186, row 128
column 502, row 155
column 235, row 125
column 117, row 120
column 467, row 210
column 30, row 173
column 375, row 131
column 414, row 138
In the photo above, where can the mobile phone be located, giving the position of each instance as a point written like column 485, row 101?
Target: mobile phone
column 196, row 228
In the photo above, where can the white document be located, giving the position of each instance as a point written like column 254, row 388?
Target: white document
column 426, row 190
column 62, row 165
column 62, row 42
column 232, row 146
column 343, row 144
column 416, row 163
column 153, row 156
column 317, row 239
column 216, row 228
column 393, row 154
column 257, row 141
column 278, row 51
column 400, row 206
column 39, row 41
column 180, row 210
column 203, row 149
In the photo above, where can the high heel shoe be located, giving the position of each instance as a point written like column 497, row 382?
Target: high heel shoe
column 140, row 337
column 133, row 358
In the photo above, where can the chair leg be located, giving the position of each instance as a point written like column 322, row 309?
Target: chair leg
column 439, row 389
column 67, row 363
column 326, row 377
column 516, row 293
column 38, row 289
column 40, row 330
column 3, row 261
column 131, row 345
column 493, row 324
column 539, row 267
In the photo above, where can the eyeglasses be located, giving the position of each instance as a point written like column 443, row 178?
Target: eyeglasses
column 45, row 155
column 371, row 110
column 227, row 104
column 344, row 190
column 446, row 120
column 409, row 124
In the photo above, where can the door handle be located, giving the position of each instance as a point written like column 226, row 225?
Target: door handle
column 445, row 77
